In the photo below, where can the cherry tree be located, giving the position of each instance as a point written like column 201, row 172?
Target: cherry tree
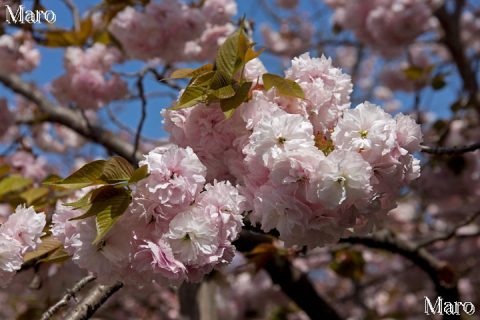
column 311, row 159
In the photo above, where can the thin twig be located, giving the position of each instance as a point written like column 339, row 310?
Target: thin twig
column 439, row 272
column 451, row 150
column 75, row 13
column 143, row 99
column 450, row 234
column 161, row 77
column 66, row 298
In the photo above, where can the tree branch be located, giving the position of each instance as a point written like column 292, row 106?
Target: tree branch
column 187, row 295
column 451, row 150
column 70, row 118
column 439, row 272
column 452, row 40
column 66, row 298
column 294, row 283
column 93, row 301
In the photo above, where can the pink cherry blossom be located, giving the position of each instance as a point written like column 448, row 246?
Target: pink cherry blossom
column 20, row 233
column 366, row 129
column 273, row 136
column 409, row 135
column 18, row 53
column 343, row 178
column 386, row 25
column 10, row 258
column 85, row 82
column 26, row 226
column 176, row 176
column 327, row 90
column 28, row 165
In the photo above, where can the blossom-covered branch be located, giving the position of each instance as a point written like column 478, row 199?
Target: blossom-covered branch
column 73, row 119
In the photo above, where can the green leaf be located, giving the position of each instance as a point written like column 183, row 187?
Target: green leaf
column 229, row 105
column 231, row 54
column 227, row 54
column 34, row 194
column 223, row 93
column 202, row 81
column 82, row 203
column 416, row 73
column 13, row 183
column 64, row 38
column 117, row 169
column 51, row 179
column 139, row 174
column 284, row 86
column 88, row 175
column 252, row 54
column 438, row 82
column 87, row 201
column 219, row 80
column 57, row 256
column 108, row 206
column 182, row 73
column 4, row 169
column 348, row 263
column 48, row 245
column 190, row 73
column 190, row 97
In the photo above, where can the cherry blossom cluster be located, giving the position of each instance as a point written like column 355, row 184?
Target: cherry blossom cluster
column 88, row 82
column 385, row 25
column 18, row 53
column 293, row 37
column 28, row 165
column 177, row 227
column 470, row 28
column 19, row 234
column 395, row 78
column 176, row 31
column 310, row 168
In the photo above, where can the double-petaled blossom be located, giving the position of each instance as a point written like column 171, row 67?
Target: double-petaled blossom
column 185, row 32
column 18, row 234
column 18, row 53
column 343, row 177
column 366, row 129
column 177, row 227
column 195, row 240
column 86, row 83
column 327, row 89
column 385, row 25
column 311, row 168
column 28, row 165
